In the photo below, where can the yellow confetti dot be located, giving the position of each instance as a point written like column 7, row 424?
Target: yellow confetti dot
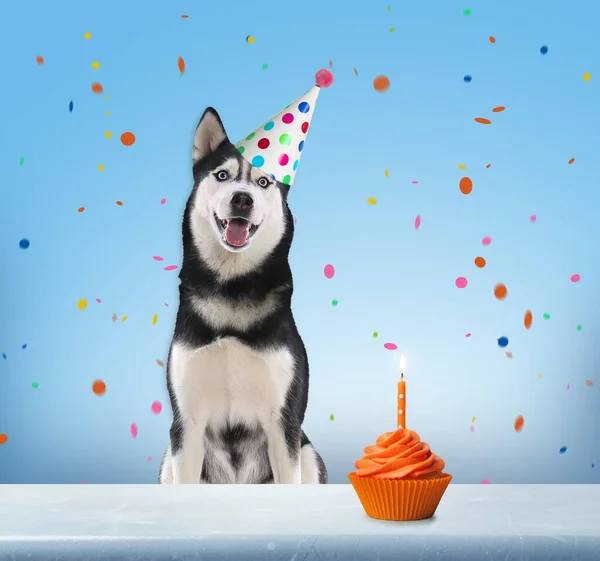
column 100, row 167
column 462, row 166
column 473, row 420
column 372, row 201
column 540, row 375
column 250, row 40
column 124, row 319
column 108, row 112
column 87, row 35
column 95, row 65
column 387, row 173
column 108, row 134
column 587, row 76
column 154, row 319
column 82, row 304
column 106, row 97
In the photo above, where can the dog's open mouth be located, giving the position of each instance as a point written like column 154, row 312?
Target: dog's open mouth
column 236, row 231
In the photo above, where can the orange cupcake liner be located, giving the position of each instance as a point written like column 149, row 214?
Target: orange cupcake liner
column 400, row 499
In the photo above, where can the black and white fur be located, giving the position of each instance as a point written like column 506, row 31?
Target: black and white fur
column 237, row 370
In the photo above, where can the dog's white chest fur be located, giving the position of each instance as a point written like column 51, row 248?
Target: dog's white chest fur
column 228, row 381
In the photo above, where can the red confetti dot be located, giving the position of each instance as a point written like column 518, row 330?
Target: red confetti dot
column 304, row 127
column 264, row 143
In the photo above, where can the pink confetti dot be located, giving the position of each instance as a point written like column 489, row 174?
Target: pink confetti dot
column 295, row 221
column 533, row 218
column 418, row 222
column 329, row 271
column 98, row 300
column 468, row 335
column 134, row 430
column 163, row 201
column 472, row 428
column 156, row 407
column 167, row 305
column 568, row 386
column 83, row 481
column 415, row 182
column 486, row 241
column 575, row 278
column 390, row 346
column 157, row 258
column 171, row 267
column 149, row 459
column 485, row 482
column 461, row 282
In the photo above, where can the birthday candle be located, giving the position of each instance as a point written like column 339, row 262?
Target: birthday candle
column 402, row 395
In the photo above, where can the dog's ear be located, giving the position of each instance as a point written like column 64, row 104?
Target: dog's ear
column 209, row 135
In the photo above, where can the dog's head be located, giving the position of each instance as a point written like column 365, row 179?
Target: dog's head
column 237, row 214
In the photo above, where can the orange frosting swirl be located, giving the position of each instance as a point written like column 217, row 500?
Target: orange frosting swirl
column 398, row 455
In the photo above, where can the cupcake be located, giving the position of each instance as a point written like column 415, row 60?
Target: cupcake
column 399, row 478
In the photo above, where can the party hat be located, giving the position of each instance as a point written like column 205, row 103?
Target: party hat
column 276, row 146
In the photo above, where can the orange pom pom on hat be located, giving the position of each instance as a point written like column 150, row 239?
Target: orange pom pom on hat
column 276, row 146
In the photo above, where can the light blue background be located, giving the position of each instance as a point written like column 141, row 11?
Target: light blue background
column 389, row 277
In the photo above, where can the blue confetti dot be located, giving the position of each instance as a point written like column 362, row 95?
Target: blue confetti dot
column 503, row 342
column 467, row 78
column 71, row 107
column 304, row 107
column 295, row 165
column 544, row 50
column 272, row 177
column 24, row 346
column 269, row 126
column 592, row 465
column 4, row 356
column 24, row 243
column 301, row 146
column 258, row 161
column 563, row 450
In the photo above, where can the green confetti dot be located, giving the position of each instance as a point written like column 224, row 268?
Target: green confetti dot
column 392, row 29
column 331, row 417
column 334, row 302
column 241, row 149
column 265, row 66
column 375, row 334
column 388, row 8
column 35, row 385
column 285, row 139
column 21, row 161
column 546, row 316
column 467, row 12
column 181, row 75
column 251, row 136
column 286, row 180
column 579, row 328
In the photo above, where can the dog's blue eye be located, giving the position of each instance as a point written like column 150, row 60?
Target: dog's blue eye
column 263, row 182
column 222, row 175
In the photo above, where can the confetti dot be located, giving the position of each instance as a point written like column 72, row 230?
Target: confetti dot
column 329, row 271
column 70, row 107
column 479, row 262
column 98, row 300
column 95, row 65
column 82, row 304
column 334, row 302
column 108, row 134
column 533, row 218
column 87, row 35
column 156, row 407
column 528, row 319
column 163, row 201
column 114, row 317
column 100, row 167
column 3, row 439
column 157, row 258
column 127, row 139
column 472, row 428
column 149, row 459
column 331, row 417
column 98, row 387
column 24, row 243
column 468, row 335
column 571, row 161
column 589, row 383
column 485, row 482
column 386, row 173
column 503, row 342
column 486, row 241
column 185, row 16
column 4, row 356
column 546, row 316
column 473, row 420
column 461, row 282
column 498, row 109
column 467, row 12
column 133, row 430
column 519, row 422
column 563, row 450
column 375, row 334
column 97, row 88
column 355, row 71
column 372, row 201
column 181, row 64
column 160, row 362
column 119, row 203
column 492, row 39
column 381, row 84
column 154, row 319
column 390, row 346
column 543, row 49
column 488, row 166
column 465, row 185
column 39, row 60
column 462, row 166
column 21, row 161
column 467, row 79
column 123, row 319
column 392, row 29
column 509, row 354
column 35, row 385
column 265, row 66
column 579, row 328
column 540, row 375
column 587, row 76
column 568, row 386
column 575, row 278
column 80, row 209
column 417, row 222
column 500, row 291
column 171, row 267
column 482, row 121
column 250, row 40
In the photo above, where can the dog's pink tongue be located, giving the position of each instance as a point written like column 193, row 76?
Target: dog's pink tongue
column 237, row 232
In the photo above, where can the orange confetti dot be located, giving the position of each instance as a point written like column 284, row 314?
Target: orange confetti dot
column 120, row 203
column 589, row 383
column 492, row 39
column 3, row 439
column 571, row 160
column 80, row 209
column 480, row 262
column 528, row 319
column 519, row 422
column 127, row 139
column 381, row 84
column 465, row 185
column 483, row 121
column 500, row 291
column 184, row 16
column 99, row 387
column 331, row 64
column 498, row 109
column 508, row 354
column 181, row 64
column 97, row 88
column 160, row 362
column 355, row 71
column 39, row 59
column 488, row 166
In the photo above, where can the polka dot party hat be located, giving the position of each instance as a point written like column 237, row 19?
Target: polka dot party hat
column 276, row 146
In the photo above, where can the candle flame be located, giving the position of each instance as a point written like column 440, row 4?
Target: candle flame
column 402, row 363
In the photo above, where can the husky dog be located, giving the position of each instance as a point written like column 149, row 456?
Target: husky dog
column 237, row 370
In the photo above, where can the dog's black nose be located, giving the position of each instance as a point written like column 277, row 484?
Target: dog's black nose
column 241, row 201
